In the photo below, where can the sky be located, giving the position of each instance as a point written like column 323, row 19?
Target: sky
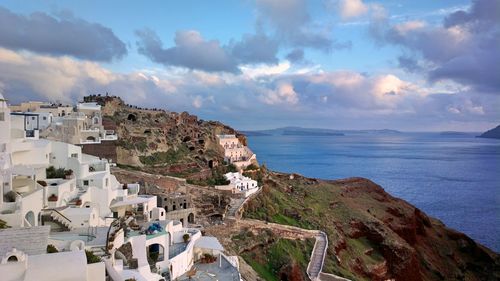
column 261, row 64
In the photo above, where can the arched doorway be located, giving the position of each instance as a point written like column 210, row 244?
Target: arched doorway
column 12, row 259
column 191, row 218
column 156, row 253
column 30, row 218
column 91, row 138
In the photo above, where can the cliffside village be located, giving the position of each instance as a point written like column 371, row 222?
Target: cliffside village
column 65, row 216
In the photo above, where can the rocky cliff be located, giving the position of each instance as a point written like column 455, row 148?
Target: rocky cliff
column 160, row 141
column 492, row 134
column 372, row 235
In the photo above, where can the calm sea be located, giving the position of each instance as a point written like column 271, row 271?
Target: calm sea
column 455, row 178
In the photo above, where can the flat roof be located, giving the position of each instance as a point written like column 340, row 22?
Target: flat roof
column 209, row 242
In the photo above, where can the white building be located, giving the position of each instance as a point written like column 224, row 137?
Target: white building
column 240, row 184
column 23, row 256
column 81, row 127
column 235, row 152
column 80, row 198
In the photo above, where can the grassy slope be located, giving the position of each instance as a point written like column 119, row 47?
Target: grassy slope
column 313, row 205
column 269, row 255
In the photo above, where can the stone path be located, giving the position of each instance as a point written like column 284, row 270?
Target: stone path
column 235, row 205
column 317, row 257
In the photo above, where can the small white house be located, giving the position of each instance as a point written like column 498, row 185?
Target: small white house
column 241, row 184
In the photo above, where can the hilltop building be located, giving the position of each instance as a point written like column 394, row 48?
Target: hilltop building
column 235, row 152
column 75, row 125
column 239, row 184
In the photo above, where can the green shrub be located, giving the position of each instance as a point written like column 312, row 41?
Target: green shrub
column 53, row 173
column 91, row 258
column 3, row 225
column 231, row 168
column 251, row 167
column 169, row 157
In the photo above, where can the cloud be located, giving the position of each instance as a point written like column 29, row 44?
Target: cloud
column 296, row 55
column 191, row 50
column 257, row 71
column 256, row 48
column 283, row 94
column 352, row 8
column 409, row 64
column 269, row 96
column 292, row 25
column 464, row 49
column 68, row 35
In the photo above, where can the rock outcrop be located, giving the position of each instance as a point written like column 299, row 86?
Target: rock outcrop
column 492, row 134
column 160, row 141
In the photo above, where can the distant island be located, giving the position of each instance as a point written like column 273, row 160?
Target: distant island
column 491, row 134
column 299, row 131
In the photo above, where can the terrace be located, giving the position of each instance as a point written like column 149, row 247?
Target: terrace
column 222, row 269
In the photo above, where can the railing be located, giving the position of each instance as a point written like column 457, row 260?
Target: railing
column 61, row 215
column 99, row 167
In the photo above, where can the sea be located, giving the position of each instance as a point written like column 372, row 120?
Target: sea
column 454, row 177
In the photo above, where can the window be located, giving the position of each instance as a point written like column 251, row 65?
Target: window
column 12, row 259
column 107, row 181
column 2, row 116
column 33, row 118
column 74, row 155
column 44, row 117
column 85, row 182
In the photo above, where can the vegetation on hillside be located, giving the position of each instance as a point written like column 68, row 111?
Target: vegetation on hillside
column 372, row 236
column 274, row 258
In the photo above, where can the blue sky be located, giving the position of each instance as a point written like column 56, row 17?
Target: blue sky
column 255, row 64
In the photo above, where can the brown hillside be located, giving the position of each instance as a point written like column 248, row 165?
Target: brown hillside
column 373, row 236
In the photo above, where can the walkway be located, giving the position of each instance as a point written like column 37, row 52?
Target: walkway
column 318, row 254
column 317, row 257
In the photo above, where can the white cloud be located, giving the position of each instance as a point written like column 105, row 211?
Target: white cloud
column 265, row 94
column 352, row 8
column 403, row 28
column 256, row 71
column 197, row 102
column 283, row 94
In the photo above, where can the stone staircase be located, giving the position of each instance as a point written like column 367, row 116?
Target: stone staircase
column 234, row 206
column 59, row 218
column 317, row 257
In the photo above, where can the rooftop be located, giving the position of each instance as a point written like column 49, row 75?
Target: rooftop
column 212, row 271
column 226, row 136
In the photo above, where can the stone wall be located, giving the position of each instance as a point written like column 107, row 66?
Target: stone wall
column 106, row 149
